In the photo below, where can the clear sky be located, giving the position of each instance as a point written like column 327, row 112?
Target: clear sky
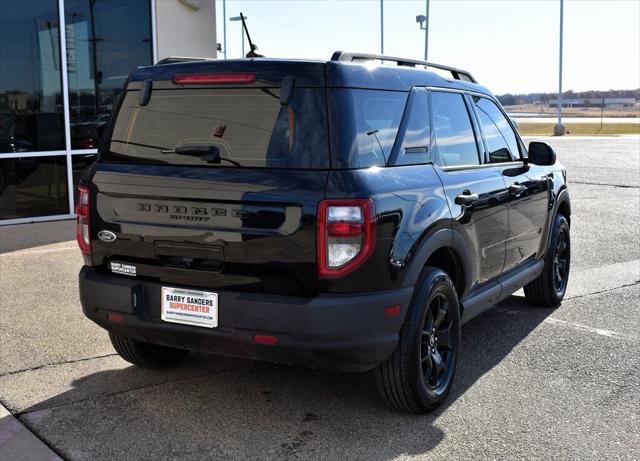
column 509, row 46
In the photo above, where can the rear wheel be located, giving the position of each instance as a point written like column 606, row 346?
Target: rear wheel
column 419, row 374
column 550, row 287
column 144, row 354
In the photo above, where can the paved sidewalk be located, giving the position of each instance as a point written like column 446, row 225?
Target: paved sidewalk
column 21, row 236
column 17, row 442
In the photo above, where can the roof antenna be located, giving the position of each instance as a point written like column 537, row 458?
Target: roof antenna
column 252, row 53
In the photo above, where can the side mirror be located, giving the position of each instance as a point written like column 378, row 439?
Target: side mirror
column 541, row 153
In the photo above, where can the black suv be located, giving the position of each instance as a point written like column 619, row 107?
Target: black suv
column 348, row 214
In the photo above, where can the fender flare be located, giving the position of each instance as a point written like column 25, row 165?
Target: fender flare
column 442, row 238
column 561, row 198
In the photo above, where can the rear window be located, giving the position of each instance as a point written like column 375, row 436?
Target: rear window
column 364, row 125
column 246, row 127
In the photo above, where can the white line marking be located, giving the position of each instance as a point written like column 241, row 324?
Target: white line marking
column 598, row 331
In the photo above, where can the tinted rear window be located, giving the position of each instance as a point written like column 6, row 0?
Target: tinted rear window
column 246, row 127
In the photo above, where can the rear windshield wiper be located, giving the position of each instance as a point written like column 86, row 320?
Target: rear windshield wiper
column 209, row 154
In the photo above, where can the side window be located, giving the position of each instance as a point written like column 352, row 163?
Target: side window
column 364, row 125
column 455, row 141
column 416, row 138
column 499, row 136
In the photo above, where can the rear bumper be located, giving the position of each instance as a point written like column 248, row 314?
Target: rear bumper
column 330, row 331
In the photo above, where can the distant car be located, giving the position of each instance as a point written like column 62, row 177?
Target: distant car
column 344, row 215
column 86, row 134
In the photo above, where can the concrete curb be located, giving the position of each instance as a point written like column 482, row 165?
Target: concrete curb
column 18, row 443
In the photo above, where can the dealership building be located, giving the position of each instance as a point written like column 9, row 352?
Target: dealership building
column 62, row 66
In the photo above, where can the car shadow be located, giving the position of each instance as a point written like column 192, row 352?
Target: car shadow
column 260, row 410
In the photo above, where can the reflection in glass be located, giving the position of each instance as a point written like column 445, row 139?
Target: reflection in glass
column 30, row 81
column 106, row 40
column 500, row 138
column 243, row 127
column 455, row 139
column 79, row 164
column 33, row 186
column 364, row 124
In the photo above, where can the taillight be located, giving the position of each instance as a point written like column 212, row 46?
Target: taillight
column 83, row 211
column 346, row 235
column 203, row 79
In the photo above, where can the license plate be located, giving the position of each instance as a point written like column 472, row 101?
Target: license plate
column 190, row 307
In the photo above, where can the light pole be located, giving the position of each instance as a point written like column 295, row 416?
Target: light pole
column 224, row 27
column 559, row 129
column 423, row 19
column 381, row 26
column 239, row 18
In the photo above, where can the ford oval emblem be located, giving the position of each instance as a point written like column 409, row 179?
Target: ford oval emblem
column 106, row 236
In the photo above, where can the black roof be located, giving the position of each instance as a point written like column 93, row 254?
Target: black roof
column 336, row 73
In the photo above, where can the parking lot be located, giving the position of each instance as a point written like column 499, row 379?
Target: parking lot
column 531, row 382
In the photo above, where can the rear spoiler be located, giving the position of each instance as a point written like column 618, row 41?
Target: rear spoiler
column 176, row 59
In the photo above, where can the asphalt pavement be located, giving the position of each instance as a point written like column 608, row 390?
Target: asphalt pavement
column 531, row 383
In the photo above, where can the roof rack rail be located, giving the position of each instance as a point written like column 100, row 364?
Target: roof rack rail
column 457, row 74
column 175, row 59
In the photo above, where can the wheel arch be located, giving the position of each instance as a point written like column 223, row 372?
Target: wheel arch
column 447, row 250
column 561, row 205
column 564, row 205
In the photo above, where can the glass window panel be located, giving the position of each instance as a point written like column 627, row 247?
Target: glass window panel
column 243, row 127
column 364, row 125
column 455, row 139
column 30, row 77
column 33, row 186
column 501, row 140
column 106, row 40
column 79, row 164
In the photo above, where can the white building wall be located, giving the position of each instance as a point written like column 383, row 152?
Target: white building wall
column 185, row 28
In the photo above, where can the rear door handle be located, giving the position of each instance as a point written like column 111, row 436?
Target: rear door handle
column 517, row 188
column 466, row 198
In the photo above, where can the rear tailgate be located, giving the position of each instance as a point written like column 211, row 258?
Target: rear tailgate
column 211, row 176
column 236, row 229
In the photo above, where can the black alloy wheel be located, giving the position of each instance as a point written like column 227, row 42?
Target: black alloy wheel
column 436, row 352
column 561, row 262
column 551, row 285
column 419, row 374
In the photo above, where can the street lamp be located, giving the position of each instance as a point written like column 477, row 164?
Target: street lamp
column 423, row 19
column 559, row 129
column 224, row 27
column 381, row 26
column 239, row 18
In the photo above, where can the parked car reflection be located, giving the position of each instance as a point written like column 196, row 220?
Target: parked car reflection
column 28, row 132
column 86, row 133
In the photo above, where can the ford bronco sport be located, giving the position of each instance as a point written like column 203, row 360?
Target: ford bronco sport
column 348, row 214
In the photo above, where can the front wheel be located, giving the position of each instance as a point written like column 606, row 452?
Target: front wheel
column 419, row 374
column 550, row 287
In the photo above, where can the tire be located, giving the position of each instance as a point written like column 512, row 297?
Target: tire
column 550, row 287
column 144, row 354
column 406, row 380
